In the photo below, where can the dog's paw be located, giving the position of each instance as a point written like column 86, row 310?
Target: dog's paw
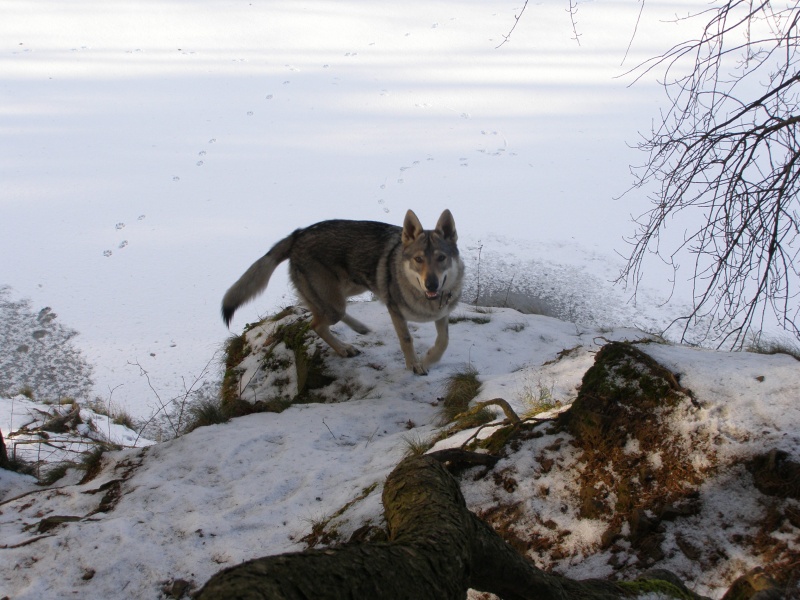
column 429, row 360
column 419, row 369
column 361, row 328
column 348, row 351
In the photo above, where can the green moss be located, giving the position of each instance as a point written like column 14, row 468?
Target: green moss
column 497, row 441
column 92, row 463
column 640, row 587
column 236, row 349
column 311, row 371
column 617, row 420
column 474, row 419
column 623, row 372
column 623, row 382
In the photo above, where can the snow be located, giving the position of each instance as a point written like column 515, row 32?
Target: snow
column 20, row 413
column 257, row 485
column 152, row 150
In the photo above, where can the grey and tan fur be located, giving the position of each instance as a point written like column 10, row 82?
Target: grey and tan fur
column 416, row 273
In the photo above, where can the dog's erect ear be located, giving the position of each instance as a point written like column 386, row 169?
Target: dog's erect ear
column 412, row 228
column 447, row 226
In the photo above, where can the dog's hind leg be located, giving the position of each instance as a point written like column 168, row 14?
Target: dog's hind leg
column 327, row 304
column 355, row 324
column 440, row 345
column 323, row 329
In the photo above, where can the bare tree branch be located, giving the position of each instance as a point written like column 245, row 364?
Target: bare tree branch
column 727, row 148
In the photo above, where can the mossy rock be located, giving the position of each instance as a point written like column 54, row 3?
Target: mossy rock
column 620, row 393
column 620, row 420
column 273, row 364
column 310, row 368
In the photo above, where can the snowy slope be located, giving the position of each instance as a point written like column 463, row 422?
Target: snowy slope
column 183, row 509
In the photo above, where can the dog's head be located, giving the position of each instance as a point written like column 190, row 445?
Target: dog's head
column 430, row 257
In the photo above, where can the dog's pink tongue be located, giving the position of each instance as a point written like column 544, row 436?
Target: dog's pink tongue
column 431, row 294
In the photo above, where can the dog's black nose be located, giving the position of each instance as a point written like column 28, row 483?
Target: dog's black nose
column 432, row 283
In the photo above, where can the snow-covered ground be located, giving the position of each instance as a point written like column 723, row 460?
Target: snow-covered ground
column 181, row 510
column 151, row 150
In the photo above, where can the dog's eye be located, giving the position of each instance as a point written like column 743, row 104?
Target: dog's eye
column 418, row 259
column 441, row 258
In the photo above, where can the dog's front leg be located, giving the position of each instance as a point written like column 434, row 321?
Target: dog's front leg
column 406, row 343
column 442, row 338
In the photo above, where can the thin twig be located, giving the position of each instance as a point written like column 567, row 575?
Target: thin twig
column 573, row 10
column 514, row 26
column 635, row 29
column 329, row 429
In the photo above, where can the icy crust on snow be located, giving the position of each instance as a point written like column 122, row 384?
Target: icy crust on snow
column 38, row 353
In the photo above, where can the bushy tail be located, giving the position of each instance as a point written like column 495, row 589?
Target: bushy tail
column 255, row 279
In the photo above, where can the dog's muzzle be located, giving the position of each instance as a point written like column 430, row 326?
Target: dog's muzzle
column 433, row 282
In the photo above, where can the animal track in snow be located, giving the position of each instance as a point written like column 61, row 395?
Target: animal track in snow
column 124, row 243
column 500, row 147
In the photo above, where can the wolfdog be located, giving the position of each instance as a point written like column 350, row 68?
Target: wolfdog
column 416, row 273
